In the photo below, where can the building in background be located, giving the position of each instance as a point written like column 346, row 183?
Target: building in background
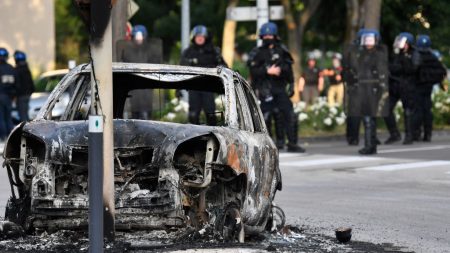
column 29, row 26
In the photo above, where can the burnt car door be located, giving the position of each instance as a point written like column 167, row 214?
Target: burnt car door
column 263, row 172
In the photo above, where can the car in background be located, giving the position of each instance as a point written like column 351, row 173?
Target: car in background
column 167, row 175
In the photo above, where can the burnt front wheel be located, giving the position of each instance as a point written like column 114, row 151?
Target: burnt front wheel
column 276, row 220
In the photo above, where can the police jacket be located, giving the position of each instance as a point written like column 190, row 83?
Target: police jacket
column 150, row 51
column 261, row 58
column 24, row 84
column 205, row 55
column 402, row 72
column 430, row 70
column 366, row 76
column 7, row 79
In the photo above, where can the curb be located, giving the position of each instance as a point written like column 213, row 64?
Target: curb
column 342, row 137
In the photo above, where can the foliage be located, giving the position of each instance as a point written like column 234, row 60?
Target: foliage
column 441, row 108
column 418, row 17
column 163, row 19
column 71, row 35
column 320, row 115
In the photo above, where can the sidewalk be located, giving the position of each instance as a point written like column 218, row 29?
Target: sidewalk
column 382, row 135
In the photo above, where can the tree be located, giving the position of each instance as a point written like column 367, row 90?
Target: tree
column 228, row 38
column 71, row 34
column 362, row 14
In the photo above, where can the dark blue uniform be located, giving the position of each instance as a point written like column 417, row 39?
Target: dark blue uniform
column 205, row 55
column 430, row 72
column 271, row 89
column 402, row 85
column 7, row 92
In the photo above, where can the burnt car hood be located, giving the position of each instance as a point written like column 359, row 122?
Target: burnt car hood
column 60, row 138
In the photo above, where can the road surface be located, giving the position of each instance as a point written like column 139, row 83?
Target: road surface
column 400, row 196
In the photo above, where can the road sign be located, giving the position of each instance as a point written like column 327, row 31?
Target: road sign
column 276, row 12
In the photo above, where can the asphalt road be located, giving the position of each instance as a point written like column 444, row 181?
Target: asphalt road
column 400, row 196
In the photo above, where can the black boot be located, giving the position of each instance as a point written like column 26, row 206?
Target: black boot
column 392, row 139
column 294, row 148
column 370, row 137
column 211, row 119
column 409, row 138
column 352, row 131
column 391, row 124
column 279, row 128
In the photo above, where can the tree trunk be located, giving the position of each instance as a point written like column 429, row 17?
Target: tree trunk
column 303, row 20
column 352, row 20
column 228, row 38
column 372, row 10
column 119, row 23
column 292, row 44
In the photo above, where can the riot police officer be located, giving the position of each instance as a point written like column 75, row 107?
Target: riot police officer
column 201, row 53
column 430, row 72
column 273, row 79
column 7, row 91
column 367, row 86
column 24, row 85
column 401, row 87
column 140, row 49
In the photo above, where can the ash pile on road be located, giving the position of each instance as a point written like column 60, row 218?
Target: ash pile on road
column 288, row 239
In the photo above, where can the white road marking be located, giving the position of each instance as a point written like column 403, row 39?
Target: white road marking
column 326, row 161
column 407, row 166
column 288, row 155
column 412, row 149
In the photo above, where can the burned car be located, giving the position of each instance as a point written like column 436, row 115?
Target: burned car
column 166, row 175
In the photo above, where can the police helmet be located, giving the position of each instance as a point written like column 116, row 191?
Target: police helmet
column 423, row 41
column 137, row 29
column 401, row 40
column 199, row 30
column 268, row 28
column 360, row 33
column 370, row 37
column 4, row 53
column 437, row 54
column 20, row 56
column 409, row 37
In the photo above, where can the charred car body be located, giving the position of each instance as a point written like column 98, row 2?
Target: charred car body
column 167, row 175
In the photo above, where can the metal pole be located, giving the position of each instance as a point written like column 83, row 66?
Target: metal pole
column 102, row 84
column 185, row 24
column 262, row 9
column 95, row 175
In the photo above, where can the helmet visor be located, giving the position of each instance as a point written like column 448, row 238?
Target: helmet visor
column 368, row 39
column 400, row 42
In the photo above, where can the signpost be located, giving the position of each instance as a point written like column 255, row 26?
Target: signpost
column 261, row 13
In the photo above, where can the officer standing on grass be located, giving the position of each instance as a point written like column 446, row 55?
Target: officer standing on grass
column 7, row 92
column 202, row 53
column 273, row 79
column 402, row 85
column 367, row 92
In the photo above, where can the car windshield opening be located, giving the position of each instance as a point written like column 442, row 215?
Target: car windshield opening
column 161, row 97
